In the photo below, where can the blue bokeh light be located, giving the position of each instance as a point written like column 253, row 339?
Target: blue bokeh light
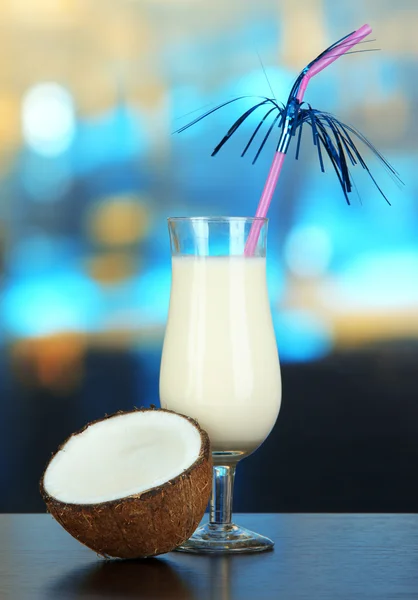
column 43, row 305
column 302, row 336
column 386, row 280
column 308, row 251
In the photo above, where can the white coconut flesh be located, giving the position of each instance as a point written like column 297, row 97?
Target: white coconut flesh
column 122, row 456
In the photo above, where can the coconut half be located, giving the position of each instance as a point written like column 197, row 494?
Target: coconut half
column 133, row 484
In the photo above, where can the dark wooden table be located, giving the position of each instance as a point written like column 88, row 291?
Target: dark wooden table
column 316, row 557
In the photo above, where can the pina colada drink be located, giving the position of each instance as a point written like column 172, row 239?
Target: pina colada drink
column 220, row 363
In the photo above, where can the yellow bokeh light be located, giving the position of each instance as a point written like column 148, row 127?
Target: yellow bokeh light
column 54, row 362
column 44, row 13
column 9, row 120
column 118, row 221
column 111, row 268
column 304, row 35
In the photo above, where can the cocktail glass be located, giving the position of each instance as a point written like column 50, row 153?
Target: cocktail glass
column 220, row 363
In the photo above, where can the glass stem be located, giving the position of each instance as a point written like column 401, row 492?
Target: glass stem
column 222, row 493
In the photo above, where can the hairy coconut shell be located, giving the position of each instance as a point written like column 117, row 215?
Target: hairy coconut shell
column 145, row 524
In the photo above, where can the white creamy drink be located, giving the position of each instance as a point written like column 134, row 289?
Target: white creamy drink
column 220, row 363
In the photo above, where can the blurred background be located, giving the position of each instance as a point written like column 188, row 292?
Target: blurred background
column 90, row 95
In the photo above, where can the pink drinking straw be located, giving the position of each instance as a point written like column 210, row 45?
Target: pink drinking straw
column 294, row 102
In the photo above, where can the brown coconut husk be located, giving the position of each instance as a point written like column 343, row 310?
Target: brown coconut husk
column 152, row 522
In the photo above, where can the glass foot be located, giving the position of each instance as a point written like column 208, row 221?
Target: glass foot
column 211, row 538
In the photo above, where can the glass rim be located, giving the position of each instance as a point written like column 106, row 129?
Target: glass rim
column 220, row 219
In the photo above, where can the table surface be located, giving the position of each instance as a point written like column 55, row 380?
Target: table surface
column 316, row 557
